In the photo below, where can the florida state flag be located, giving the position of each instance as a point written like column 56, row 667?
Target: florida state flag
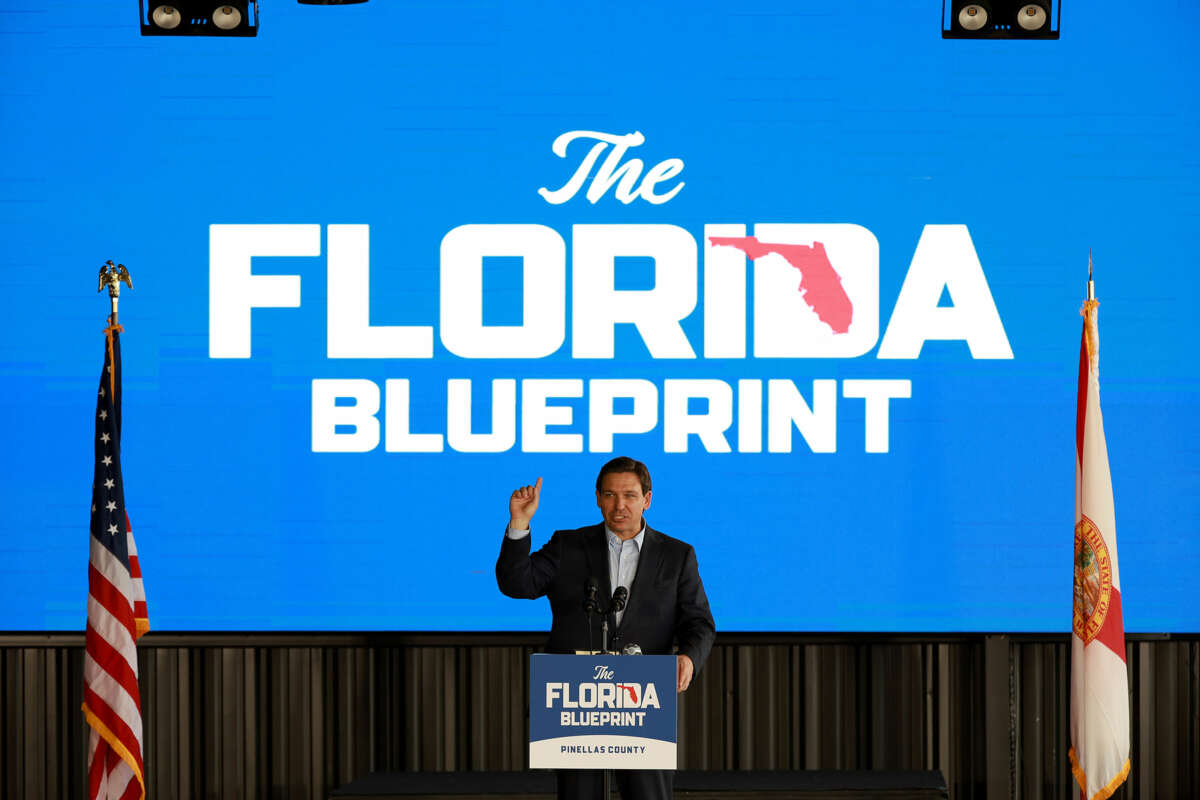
column 1099, row 679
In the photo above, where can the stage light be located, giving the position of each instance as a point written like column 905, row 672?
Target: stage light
column 226, row 18
column 1032, row 17
column 199, row 18
column 972, row 17
column 166, row 17
column 1001, row 19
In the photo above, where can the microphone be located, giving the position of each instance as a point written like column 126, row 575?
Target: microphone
column 619, row 598
column 632, row 649
column 590, row 604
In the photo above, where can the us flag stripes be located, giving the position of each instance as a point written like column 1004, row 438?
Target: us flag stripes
column 116, row 610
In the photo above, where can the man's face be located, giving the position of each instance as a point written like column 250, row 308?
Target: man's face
column 621, row 501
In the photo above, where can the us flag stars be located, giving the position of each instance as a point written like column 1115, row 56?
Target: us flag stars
column 108, row 501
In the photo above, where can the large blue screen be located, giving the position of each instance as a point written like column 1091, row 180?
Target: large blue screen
column 819, row 268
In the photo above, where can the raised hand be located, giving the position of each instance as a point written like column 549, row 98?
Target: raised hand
column 522, row 505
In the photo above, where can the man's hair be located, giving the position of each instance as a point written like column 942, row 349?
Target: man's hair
column 626, row 464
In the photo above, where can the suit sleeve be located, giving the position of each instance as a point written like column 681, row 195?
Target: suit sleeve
column 694, row 629
column 522, row 575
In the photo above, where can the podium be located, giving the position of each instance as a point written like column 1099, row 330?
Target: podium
column 602, row 712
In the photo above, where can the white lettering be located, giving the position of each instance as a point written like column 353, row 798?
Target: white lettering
column 786, row 407
column 340, row 426
column 724, row 295
column 945, row 259
column 328, row 416
column 662, row 171
column 543, row 293
column 233, row 291
column 504, row 417
column 536, row 415
column 811, row 278
column 397, row 438
column 876, row 393
column 598, row 306
column 710, row 426
column 612, row 171
column 603, row 421
column 350, row 332
column 749, row 416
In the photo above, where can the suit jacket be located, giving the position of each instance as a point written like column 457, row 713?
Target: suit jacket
column 667, row 606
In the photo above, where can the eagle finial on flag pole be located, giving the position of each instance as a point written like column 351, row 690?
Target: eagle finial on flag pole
column 112, row 276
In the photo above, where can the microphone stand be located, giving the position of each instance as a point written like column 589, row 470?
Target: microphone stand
column 606, row 781
column 619, row 598
column 592, row 606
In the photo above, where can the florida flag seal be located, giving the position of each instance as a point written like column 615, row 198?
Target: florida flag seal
column 1099, row 679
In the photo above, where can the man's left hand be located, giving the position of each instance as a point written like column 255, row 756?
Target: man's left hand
column 683, row 673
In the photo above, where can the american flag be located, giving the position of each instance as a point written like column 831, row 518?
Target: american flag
column 116, row 611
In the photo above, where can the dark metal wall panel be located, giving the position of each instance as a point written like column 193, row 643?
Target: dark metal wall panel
column 705, row 721
column 961, row 750
column 831, row 709
column 1165, row 715
column 1043, row 675
column 292, row 716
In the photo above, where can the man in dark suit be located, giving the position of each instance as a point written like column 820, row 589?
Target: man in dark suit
column 667, row 610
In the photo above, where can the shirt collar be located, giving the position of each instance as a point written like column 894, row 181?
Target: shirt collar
column 616, row 541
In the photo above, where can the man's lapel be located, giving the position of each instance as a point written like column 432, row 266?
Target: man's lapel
column 596, row 543
column 647, row 568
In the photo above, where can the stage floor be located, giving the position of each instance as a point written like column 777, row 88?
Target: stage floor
column 692, row 785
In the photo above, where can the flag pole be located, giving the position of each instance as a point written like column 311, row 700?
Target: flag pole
column 116, row 611
column 1091, row 284
column 112, row 276
column 1100, row 732
column 1090, row 331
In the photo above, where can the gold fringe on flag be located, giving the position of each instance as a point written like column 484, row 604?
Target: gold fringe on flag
column 1089, row 319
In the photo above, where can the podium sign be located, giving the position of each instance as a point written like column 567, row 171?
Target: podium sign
column 602, row 712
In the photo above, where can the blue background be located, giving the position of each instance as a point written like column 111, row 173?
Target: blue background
column 417, row 118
